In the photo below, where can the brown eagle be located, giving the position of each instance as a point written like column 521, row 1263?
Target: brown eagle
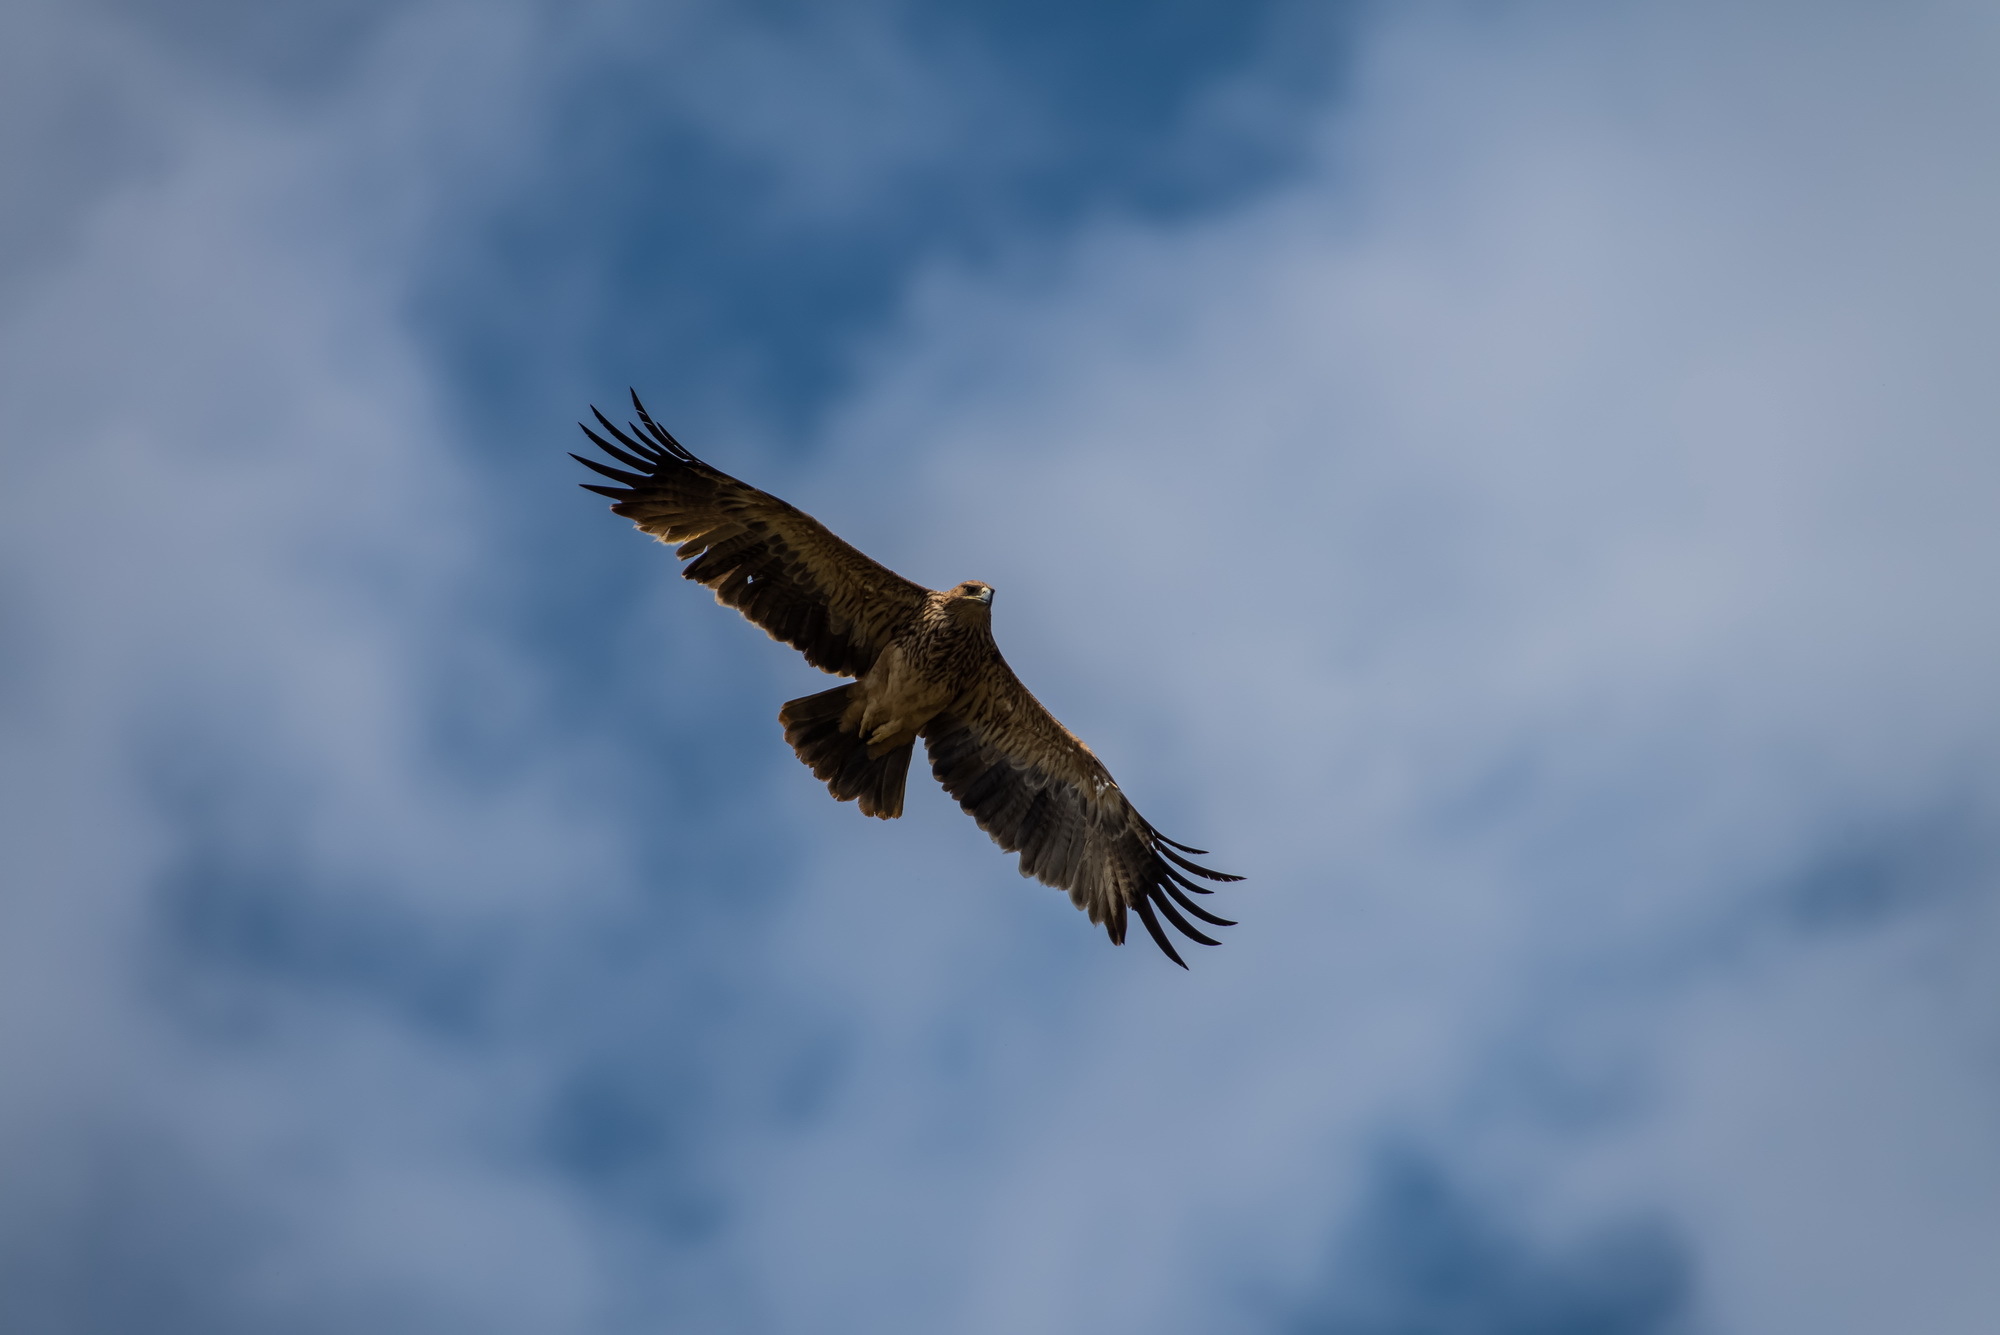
column 925, row 666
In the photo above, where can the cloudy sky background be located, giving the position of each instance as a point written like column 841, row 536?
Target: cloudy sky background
column 1518, row 481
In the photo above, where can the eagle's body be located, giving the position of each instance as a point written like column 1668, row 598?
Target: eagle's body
column 925, row 665
column 936, row 658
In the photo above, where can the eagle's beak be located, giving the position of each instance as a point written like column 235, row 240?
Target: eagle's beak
column 986, row 598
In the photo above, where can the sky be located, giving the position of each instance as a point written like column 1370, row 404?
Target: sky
column 1516, row 481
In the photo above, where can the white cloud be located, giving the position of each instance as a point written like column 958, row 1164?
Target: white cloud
column 235, row 555
column 1533, row 547
column 1546, row 546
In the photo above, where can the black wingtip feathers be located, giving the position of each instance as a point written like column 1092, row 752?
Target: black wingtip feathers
column 660, row 434
column 1144, row 908
column 645, row 446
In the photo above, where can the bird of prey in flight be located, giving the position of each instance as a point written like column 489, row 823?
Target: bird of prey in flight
column 925, row 665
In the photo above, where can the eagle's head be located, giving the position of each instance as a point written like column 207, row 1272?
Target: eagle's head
column 973, row 596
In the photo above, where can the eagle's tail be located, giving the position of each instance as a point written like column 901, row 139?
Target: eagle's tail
column 812, row 726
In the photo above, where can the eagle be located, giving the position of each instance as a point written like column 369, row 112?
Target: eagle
column 924, row 664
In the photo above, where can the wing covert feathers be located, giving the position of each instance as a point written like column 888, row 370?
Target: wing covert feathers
column 778, row 566
column 1038, row 791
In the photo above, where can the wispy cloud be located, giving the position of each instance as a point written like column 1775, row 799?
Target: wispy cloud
column 1537, row 526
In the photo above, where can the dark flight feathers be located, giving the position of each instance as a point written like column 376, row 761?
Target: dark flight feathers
column 1030, row 783
column 1039, row 792
column 776, row 565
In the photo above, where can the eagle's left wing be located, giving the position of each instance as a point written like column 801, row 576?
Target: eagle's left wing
column 1039, row 791
column 777, row 565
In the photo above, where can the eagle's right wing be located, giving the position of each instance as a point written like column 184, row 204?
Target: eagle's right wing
column 776, row 565
column 1039, row 791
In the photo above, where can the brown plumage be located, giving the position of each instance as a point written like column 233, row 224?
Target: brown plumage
column 925, row 666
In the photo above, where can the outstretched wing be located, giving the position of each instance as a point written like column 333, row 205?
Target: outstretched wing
column 776, row 565
column 1039, row 791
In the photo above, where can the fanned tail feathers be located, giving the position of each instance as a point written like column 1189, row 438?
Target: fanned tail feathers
column 813, row 725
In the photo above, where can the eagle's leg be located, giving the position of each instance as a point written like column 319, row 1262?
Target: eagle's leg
column 825, row 730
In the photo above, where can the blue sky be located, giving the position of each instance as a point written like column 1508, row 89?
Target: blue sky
column 1516, row 481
